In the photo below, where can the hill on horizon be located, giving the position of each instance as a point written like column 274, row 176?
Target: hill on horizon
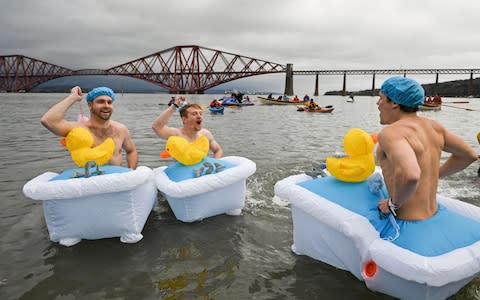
column 455, row 88
column 116, row 83
column 119, row 84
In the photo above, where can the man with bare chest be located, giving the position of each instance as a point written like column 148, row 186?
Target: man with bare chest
column 100, row 103
column 409, row 151
column 192, row 119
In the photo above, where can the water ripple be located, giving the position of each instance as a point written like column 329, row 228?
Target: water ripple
column 223, row 257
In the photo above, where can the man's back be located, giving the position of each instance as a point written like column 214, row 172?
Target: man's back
column 425, row 138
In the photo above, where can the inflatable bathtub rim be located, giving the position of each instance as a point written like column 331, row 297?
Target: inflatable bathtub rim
column 40, row 188
column 195, row 186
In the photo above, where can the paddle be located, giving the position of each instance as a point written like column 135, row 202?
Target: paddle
column 453, row 106
column 227, row 106
column 478, row 140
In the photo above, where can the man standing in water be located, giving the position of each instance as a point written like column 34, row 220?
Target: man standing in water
column 192, row 119
column 409, row 151
column 100, row 103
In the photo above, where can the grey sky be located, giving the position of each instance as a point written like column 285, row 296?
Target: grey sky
column 311, row 34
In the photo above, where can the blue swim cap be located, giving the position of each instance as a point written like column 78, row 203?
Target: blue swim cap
column 404, row 91
column 100, row 91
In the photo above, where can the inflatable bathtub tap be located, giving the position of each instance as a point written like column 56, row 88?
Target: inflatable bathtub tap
column 338, row 222
column 94, row 201
column 198, row 189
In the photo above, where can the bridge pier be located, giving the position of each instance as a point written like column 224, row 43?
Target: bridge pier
column 436, row 84
column 470, row 84
column 289, row 80
column 344, row 90
column 316, row 85
column 373, row 84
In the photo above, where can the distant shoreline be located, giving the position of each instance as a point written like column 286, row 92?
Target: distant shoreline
column 454, row 89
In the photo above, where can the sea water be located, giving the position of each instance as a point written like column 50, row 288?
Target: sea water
column 222, row 257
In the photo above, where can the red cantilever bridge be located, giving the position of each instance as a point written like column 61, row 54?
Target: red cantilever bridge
column 183, row 69
column 180, row 69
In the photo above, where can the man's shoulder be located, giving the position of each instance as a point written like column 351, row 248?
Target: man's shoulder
column 120, row 128
column 392, row 132
column 205, row 131
column 118, row 125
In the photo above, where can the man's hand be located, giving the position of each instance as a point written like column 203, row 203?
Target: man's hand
column 180, row 100
column 77, row 93
column 383, row 206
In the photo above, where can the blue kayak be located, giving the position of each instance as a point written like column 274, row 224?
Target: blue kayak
column 230, row 101
column 216, row 110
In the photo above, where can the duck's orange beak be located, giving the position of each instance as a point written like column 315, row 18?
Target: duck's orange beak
column 374, row 137
column 164, row 154
column 63, row 142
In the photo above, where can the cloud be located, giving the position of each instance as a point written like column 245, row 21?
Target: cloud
column 327, row 34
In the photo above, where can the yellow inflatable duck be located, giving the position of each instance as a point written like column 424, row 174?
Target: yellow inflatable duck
column 359, row 163
column 79, row 142
column 185, row 152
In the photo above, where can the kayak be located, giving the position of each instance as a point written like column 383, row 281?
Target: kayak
column 326, row 109
column 271, row 101
column 216, row 110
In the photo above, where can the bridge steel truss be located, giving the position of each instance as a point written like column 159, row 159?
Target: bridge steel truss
column 403, row 72
column 180, row 69
column 185, row 69
column 194, row 69
column 20, row 73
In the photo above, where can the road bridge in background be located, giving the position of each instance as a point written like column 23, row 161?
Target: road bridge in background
column 185, row 69
column 374, row 72
column 180, row 69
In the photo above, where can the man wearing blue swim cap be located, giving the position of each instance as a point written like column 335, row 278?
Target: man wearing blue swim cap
column 100, row 103
column 409, row 151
